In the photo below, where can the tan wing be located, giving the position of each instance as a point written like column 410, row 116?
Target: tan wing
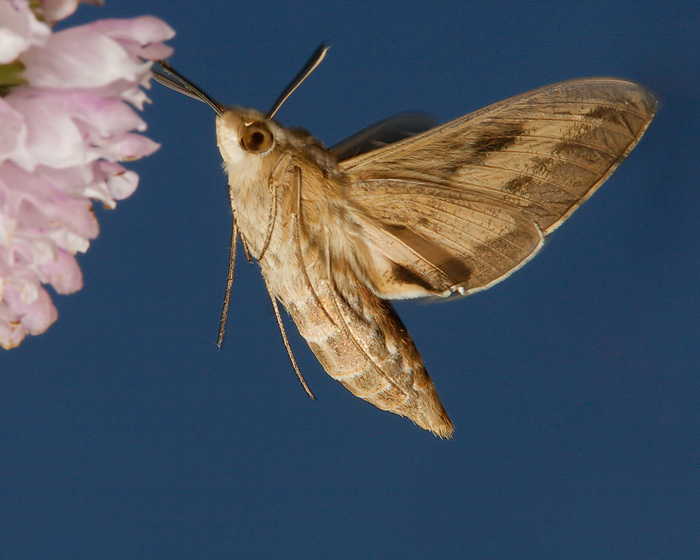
column 461, row 206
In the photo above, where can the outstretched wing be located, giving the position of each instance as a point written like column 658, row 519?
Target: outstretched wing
column 460, row 207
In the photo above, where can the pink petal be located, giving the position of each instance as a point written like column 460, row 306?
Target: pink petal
column 130, row 146
column 79, row 57
column 11, row 330
column 5, row 266
column 56, row 10
column 8, row 224
column 63, row 273
column 37, row 202
column 72, row 180
column 120, row 182
column 37, row 315
column 13, row 133
column 106, row 116
column 141, row 36
column 53, row 138
column 19, row 31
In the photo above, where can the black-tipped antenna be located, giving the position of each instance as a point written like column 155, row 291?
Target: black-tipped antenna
column 185, row 87
column 310, row 66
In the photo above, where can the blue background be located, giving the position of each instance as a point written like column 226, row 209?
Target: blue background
column 573, row 385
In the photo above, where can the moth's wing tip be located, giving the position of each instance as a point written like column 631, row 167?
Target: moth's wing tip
column 645, row 99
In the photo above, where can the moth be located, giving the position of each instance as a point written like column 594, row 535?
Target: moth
column 405, row 210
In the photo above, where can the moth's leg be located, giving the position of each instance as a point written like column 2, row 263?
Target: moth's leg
column 296, row 232
column 229, row 281
column 288, row 347
column 272, row 217
column 245, row 248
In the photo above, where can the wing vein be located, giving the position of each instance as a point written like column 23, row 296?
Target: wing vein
column 474, row 224
column 477, row 187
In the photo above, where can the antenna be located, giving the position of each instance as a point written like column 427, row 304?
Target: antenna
column 311, row 65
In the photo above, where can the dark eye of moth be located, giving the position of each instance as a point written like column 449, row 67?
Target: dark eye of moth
column 257, row 138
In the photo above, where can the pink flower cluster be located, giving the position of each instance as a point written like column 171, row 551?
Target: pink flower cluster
column 65, row 123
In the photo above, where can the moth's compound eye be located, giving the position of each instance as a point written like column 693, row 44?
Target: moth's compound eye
column 257, row 138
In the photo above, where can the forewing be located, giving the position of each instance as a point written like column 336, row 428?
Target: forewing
column 461, row 206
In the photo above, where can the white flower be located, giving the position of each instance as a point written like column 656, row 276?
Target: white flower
column 65, row 123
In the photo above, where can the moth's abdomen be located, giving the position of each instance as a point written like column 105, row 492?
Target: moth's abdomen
column 361, row 342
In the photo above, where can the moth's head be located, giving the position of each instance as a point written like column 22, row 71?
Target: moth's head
column 246, row 138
